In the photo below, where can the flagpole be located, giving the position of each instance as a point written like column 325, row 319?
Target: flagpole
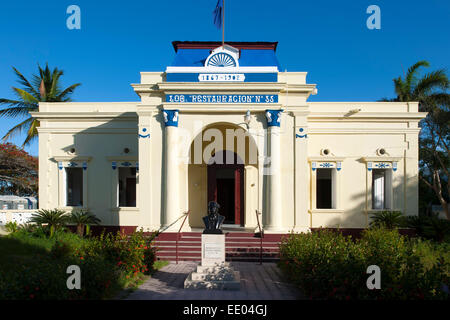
column 223, row 24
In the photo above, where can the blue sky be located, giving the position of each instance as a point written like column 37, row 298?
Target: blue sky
column 118, row 39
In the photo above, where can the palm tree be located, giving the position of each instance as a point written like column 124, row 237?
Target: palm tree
column 54, row 219
column 431, row 91
column 83, row 218
column 44, row 87
column 427, row 90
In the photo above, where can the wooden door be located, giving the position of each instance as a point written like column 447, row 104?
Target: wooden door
column 239, row 195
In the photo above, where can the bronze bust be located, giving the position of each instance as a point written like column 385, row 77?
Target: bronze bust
column 213, row 221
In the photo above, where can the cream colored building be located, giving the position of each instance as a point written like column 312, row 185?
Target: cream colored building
column 301, row 164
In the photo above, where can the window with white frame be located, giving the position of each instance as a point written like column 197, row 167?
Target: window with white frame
column 326, row 188
column 325, row 184
column 381, row 189
column 126, row 186
column 125, row 175
column 72, row 181
column 74, row 187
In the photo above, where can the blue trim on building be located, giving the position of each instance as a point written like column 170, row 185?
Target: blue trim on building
column 171, row 117
column 222, row 98
column 273, row 118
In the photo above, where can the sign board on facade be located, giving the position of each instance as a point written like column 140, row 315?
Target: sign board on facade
column 222, row 98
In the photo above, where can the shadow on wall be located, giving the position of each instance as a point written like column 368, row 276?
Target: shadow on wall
column 113, row 141
column 359, row 214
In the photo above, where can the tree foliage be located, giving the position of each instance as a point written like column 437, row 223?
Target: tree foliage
column 18, row 171
column 43, row 87
column 431, row 91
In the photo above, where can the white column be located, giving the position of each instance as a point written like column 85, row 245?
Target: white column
column 150, row 219
column 274, row 221
column 171, row 210
column 302, row 169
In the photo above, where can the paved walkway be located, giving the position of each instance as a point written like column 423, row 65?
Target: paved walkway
column 258, row 282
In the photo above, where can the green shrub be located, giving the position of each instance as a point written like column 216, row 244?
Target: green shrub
column 83, row 219
column 11, row 227
column 327, row 265
column 133, row 254
column 430, row 227
column 54, row 219
column 35, row 265
column 387, row 219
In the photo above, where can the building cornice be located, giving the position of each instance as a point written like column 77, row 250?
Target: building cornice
column 363, row 130
column 272, row 87
column 74, row 158
column 220, row 87
column 88, row 130
column 327, row 116
column 84, row 115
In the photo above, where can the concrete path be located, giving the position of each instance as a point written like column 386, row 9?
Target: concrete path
column 258, row 282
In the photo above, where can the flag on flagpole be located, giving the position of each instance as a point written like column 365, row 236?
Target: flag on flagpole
column 217, row 14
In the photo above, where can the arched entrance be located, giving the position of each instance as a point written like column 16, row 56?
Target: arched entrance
column 226, row 185
column 223, row 167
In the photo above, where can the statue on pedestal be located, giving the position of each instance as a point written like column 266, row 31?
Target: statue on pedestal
column 213, row 221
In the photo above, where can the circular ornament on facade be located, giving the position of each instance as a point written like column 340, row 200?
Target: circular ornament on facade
column 221, row 59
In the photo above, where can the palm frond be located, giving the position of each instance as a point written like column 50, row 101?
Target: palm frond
column 23, row 81
column 26, row 97
column 411, row 75
column 15, row 105
column 54, row 89
column 430, row 82
column 400, row 89
column 18, row 128
column 69, row 90
column 32, row 132
column 14, row 112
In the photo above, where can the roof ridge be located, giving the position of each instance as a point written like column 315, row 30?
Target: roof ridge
column 249, row 45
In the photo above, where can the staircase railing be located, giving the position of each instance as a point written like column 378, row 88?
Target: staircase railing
column 157, row 233
column 261, row 236
column 178, row 234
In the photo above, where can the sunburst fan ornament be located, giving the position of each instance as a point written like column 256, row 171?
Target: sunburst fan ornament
column 221, row 59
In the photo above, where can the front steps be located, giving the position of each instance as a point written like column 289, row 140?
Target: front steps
column 239, row 246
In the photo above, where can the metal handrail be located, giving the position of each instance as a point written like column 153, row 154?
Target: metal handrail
column 261, row 235
column 178, row 234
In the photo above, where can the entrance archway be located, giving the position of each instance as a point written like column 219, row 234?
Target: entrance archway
column 223, row 172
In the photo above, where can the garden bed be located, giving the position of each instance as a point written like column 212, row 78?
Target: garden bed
column 34, row 266
column 329, row 265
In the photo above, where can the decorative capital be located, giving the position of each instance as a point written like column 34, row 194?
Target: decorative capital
column 170, row 118
column 302, row 134
column 273, row 117
column 144, row 133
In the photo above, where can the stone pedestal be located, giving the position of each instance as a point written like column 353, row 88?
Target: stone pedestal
column 214, row 272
